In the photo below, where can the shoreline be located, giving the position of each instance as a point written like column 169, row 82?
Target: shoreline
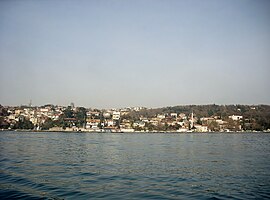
column 142, row 132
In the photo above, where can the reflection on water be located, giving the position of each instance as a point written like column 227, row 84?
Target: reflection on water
column 134, row 166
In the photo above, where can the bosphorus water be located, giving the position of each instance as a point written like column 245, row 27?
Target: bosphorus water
column 134, row 166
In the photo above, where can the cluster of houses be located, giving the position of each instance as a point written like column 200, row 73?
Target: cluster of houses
column 118, row 120
column 36, row 115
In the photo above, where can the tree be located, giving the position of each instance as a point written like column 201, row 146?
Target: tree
column 213, row 126
column 3, row 111
column 68, row 113
column 199, row 121
column 3, row 123
column 210, row 113
column 233, row 125
column 24, row 123
column 80, row 116
column 149, row 126
column 48, row 124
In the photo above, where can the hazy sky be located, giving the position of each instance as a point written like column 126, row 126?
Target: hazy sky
column 117, row 53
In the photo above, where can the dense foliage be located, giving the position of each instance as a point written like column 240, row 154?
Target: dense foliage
column 256, row 117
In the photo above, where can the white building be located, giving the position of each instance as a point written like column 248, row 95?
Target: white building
column 174, row 115
column 116, row 115
column 127, row 130
column 236, row 117
column 139, row 124
column 201, row 128
column 161, row 116
column 110, row 123
column 182, row 130
column 182, row 116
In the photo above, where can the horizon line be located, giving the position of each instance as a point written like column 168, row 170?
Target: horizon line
column 232, row 104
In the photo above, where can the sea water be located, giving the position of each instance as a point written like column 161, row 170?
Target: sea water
column 134, row 165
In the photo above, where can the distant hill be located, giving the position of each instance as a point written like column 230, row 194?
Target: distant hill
column 259, row 114
column 211, row 110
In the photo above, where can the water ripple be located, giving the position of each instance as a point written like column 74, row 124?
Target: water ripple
column 134, row 166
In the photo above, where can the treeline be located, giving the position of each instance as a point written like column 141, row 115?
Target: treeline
column 257, row 115
column 209, row 110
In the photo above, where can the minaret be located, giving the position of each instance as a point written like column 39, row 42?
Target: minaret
column 191, row 123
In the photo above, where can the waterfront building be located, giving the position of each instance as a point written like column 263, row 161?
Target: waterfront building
column 201, row 128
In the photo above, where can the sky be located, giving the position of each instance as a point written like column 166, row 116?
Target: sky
column 121, row 53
